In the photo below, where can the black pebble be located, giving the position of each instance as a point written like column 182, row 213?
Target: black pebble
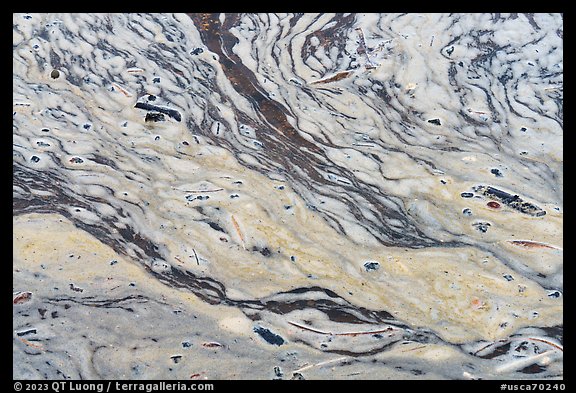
column 496, row 172
column 466, row 195
column 186, row 344
column 42, row 312
column 215, row 226
column 156, row 80
column 151, row 97
column 35, row 159
column 508, row 277
column 267, row 335
column 435, row 122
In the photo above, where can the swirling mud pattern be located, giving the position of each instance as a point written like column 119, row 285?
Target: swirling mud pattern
column 287, row 196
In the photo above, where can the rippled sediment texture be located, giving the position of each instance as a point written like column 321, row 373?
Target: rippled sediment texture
column 288, row 196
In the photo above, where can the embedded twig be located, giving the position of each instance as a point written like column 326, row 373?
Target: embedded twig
column 30, row 344
column 522, row 362
column 309, row 366
column 539, row 339
column 203, row 191
column 531, row 244
column 196, row 256
column 352, row 334
column 334, row 78
column 237, row 227
column 122, row 90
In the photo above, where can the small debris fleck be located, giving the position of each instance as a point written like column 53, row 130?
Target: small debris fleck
column 371, row 265
column 278, row 372
column 75, row 288
column 496, row 172
column 466, row 195
column 152, row 116
column 481, row 226
column 467, row 212
column 212, row 344
column 42, row 312
column 34, row 159
column 435, row 122
column 508, row 277
column 22, row 297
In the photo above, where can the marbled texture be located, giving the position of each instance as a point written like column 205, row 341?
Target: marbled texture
column 257, row 196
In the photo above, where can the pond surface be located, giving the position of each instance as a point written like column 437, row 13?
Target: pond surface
column 288, row 196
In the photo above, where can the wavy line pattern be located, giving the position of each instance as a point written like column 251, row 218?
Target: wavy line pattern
column 299, row 190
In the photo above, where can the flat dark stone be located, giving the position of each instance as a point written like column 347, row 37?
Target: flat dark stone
column 267, row 335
